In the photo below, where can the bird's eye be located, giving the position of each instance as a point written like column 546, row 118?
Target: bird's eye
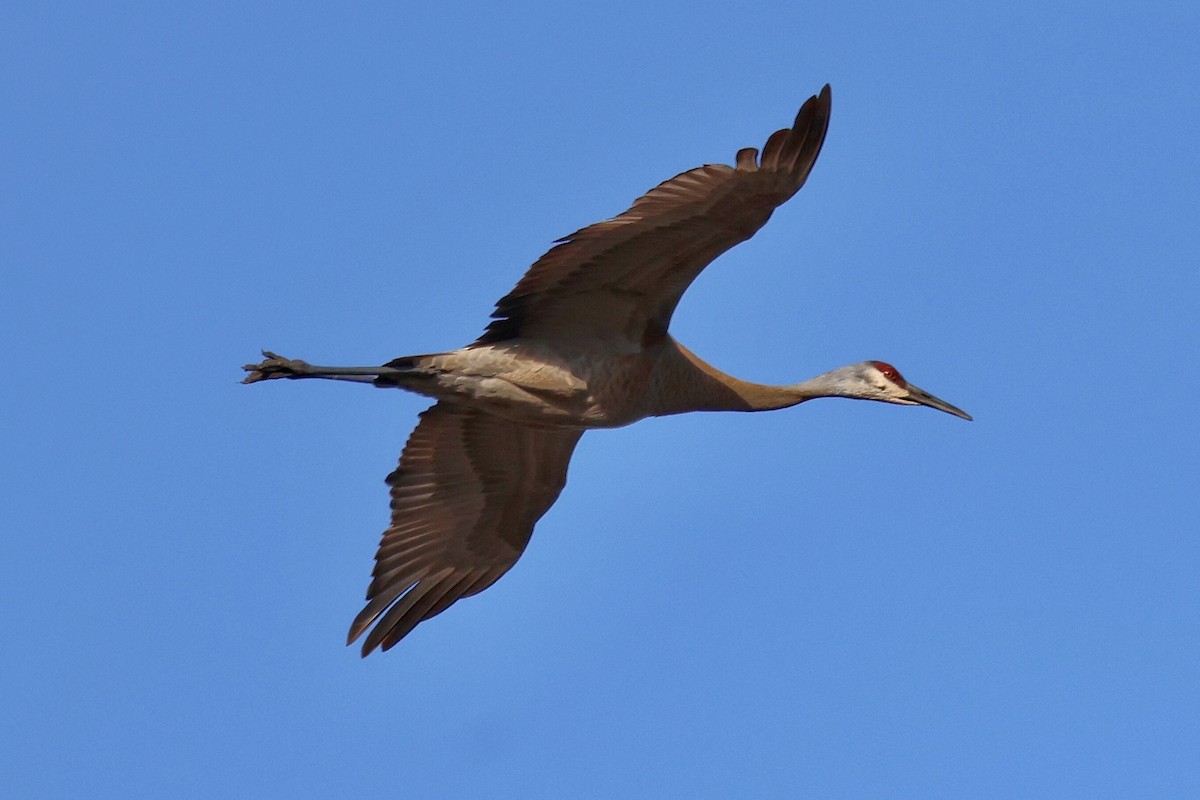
column 891, row 373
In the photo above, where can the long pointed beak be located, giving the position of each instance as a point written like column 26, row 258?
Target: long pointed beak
column 924, row 398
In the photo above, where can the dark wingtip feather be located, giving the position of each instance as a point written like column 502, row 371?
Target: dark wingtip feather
column 747, row 159
column 774, row 147
column 360, row 625
column 410, row 610
column 795, row 149
column 803, row 144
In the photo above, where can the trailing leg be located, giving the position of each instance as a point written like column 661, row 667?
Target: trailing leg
column 275, row 366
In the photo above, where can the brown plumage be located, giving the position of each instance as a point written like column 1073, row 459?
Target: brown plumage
column 468, row 490
column 581, row 342
column 624, row 276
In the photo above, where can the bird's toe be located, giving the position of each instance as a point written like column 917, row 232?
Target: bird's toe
column 273, row 366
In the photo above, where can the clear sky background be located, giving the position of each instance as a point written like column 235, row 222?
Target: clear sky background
column 839, row 600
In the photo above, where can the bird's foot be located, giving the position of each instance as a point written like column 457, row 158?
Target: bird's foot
column 275, row 366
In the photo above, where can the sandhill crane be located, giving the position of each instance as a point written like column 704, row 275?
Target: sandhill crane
column 580, row 343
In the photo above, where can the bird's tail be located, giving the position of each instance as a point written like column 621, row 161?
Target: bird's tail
column 403, row 372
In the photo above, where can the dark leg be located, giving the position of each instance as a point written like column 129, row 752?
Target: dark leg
column 279, row 367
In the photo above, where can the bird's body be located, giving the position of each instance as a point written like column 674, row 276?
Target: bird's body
column 536, row 383
column 543, row 384
column 581, row 342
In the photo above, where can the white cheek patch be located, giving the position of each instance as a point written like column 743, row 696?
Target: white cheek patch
column 883, row 386
column 888, row 390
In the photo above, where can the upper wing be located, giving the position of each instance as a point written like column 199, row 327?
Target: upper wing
column 469, row 488
column 623, row 277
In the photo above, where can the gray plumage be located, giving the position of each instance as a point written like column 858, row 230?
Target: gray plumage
column 581, row 342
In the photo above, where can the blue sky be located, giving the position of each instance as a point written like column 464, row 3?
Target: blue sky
column 839, row 600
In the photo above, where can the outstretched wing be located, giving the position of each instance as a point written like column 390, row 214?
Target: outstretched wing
column 623, row 277
column 469, row 488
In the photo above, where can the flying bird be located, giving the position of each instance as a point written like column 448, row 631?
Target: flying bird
column 581, row 342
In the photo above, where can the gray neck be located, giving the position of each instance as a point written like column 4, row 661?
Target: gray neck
column 691, row 384
column 834, row 383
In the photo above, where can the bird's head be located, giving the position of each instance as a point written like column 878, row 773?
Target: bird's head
column 878, row 380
